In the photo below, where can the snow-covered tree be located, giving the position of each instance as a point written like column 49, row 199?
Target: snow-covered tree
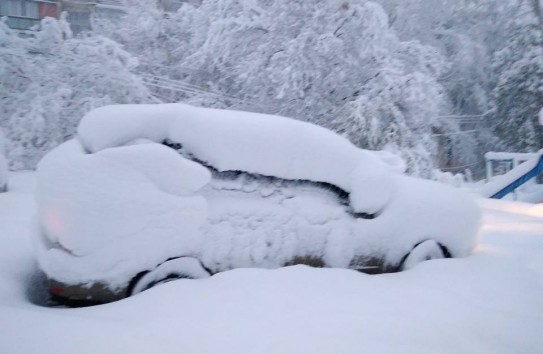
column 518, row 95
column 467, row 33
column 384, row 81
column 397, row 115
column 50, row 79
column 321, row 61
column 492, row 68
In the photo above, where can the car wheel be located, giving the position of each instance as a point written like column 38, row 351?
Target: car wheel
column 424, row 251
column 172, row 269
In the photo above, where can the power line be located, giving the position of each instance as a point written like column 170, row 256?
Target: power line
column 458, row 133
column 463, row 167
column 187, row 88
column 468, row 116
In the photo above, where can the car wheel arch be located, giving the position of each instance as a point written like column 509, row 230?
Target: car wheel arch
column 183, row 267
column 424, row 250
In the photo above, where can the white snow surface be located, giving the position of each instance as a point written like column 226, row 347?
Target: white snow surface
column 489, row 302
column 251, row 142
column 531, row 193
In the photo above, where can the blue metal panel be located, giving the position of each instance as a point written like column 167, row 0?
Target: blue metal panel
column 534, row 172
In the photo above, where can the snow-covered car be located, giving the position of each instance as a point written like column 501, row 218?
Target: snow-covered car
column 149, row 193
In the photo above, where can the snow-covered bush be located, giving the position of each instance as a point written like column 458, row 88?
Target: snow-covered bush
column 49, row 80
column 452, row 179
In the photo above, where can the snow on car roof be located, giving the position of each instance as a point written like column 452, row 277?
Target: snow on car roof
column 251, row 142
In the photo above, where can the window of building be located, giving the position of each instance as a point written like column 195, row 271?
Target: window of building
column 47, row 10
column 19, row 8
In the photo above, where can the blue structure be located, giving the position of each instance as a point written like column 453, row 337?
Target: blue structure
column 534, row 172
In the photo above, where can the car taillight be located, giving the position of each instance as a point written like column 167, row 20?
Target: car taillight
column 55, row 290
column 53, row 219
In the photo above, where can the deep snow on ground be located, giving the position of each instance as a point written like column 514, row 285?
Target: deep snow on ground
column 489, row 302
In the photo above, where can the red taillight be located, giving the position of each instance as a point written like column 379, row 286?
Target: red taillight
column 53, row 219
column 55, row 290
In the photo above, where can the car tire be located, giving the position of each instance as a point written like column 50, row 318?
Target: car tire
column 172, row 269
column 424, row 251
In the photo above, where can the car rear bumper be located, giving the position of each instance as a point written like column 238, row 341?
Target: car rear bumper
column 80, row 295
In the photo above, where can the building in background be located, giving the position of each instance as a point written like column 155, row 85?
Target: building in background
column 79, row 12
column 173, row 5
column 25, row 14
